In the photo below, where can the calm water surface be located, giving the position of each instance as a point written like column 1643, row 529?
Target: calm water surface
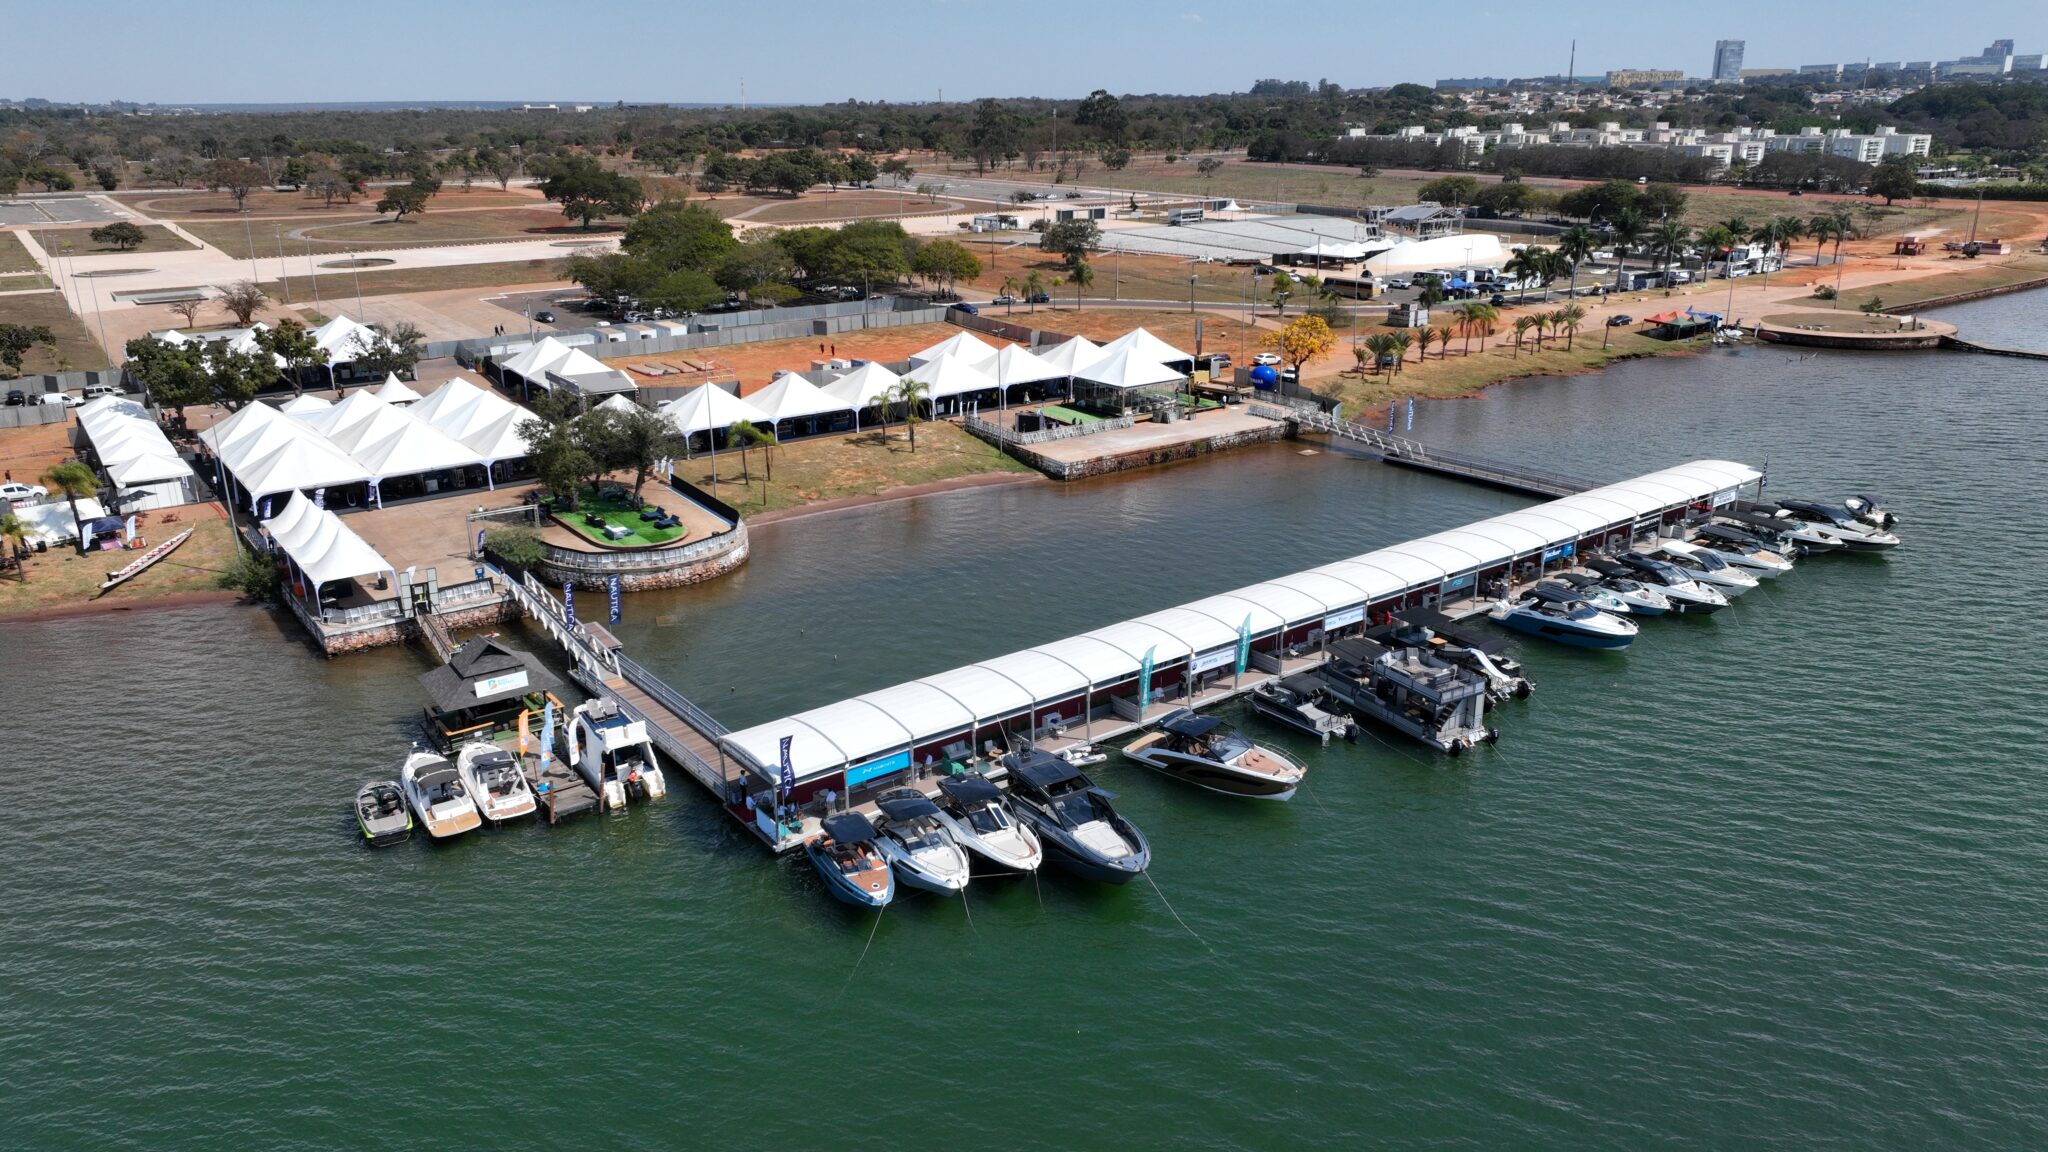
column 1769, row 879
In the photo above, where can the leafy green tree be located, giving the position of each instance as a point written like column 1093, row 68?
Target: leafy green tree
column 1281, row 285
column 74, row 481
column 760, row 259
column 121, row 235
column 679, row 234
column 1895, row 178
column 237, row 178
column 642, row 439
column 1117, row 159
column 1661, row 201
column 403, row 200
column 1072, row 239
column 291, row 341
column 558, row 452
column 613, row 276
column 587, row 191
column 860, row 170
column 515, row 546
column 107, row 177
column 172, row 375
column 51, row 178
column 870, row 249
column 1105, row 113
column 945, row 261
column 684, row 290
column 234, row 378
column 394, row 352
column 1450, row 191
column 1628, row 226
column 17, row 339
column 254, row 574
column 295, row 173
column 1208, row 166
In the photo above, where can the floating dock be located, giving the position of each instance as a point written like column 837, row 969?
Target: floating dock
column 1118, row 679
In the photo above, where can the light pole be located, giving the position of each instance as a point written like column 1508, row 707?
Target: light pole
column 284, row 276
column 1191, row 294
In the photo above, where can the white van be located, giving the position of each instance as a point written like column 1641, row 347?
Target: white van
column 64, row 398
column 96, row 391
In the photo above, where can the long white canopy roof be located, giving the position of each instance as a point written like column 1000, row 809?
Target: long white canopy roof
column 130, row 445
column 879, row 723
column 707, row 408
column 791, row 397
column 1018, row 365
column 487, row 423
column 1126, row 367
column 538, row 358
column 344, row 340
column 951, row 376
column 1071, row 357
column 1146, row 346
column 862, row 386
column 321, row 545
column 961, row 345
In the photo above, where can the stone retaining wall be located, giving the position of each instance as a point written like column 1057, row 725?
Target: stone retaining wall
column 565, row 565
column 1146, row 457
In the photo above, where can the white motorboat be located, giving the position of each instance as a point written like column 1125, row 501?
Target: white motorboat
column 1635, row 597
column 1558, row 591
column 436, row 793
column 1734, row 542
column 1762, row 564
column 1857, row 535
column 1302, row 703
column 1783, row 531
column 1204, row 752
column 614, row 755
column 1686, row 595
column 1871, row 510
column 494, row 782
column 917, row 846
column 1082, row 755
column 973, row 811
column 1703, row 567
column 1577, row 624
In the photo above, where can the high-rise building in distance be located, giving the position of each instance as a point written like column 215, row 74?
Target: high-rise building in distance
column 1728, row 60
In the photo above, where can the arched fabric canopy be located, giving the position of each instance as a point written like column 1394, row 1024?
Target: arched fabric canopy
column 951, row 376
column 709, row 408
column 322, row 546
column 791, row 397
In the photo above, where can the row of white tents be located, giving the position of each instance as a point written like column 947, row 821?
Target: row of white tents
column 322, row 548
column 135, row 455
column 371, row 437
column 959, row 366
column 343, row 340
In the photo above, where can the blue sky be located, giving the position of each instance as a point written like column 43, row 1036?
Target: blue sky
column 808, row 51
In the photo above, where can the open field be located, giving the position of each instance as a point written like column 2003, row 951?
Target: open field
column 13, row 256
column 156, row 238
column 851, row 465
column 339, row 285
column 1969, row 276
column 373, row 233
column 75, row 348
column 24, row 282
column 268, row 202
column 28, row 452
column 1117, row 277
column 62, row 578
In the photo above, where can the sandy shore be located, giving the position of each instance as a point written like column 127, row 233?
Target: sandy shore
column 103, row 607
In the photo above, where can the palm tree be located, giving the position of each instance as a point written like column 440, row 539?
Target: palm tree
column 1522, row 326
column 1524, row 266
column 1577, row 244
column 1477, row 315
column 1670, row 237
column 1080, row 276
column 1424, row 336
column 1568, row 318
column 1397, row 343
column 910, row 393
column 1820, row 230
column 1034, row 287
column 1717, row 239
column 1381, row 344
column 1443, row 341
column 1628, row 226
column 14, row 534
column 74, row 480
column 1776, row 233
column 1010, row 290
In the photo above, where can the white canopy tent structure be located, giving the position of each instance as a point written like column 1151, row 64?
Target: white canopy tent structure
column 481, row 419
column 868, row 740
column 302, row 461
column 791, row 397
column 536, row 359
column 1148, row 347
column 962, row 346
column 391, row 442
column 1468, row 250
column 396, row 391
column 322, row 549
column 1069, row 358
column 950, row 376
column 1016, row 366
column 133, row 451
column 708, row 408
column 1335, row 251
column 344, row 341
column 868, row 384
column 52, row 524
column 305, row 405
column 1125, row 369
column 620, row 403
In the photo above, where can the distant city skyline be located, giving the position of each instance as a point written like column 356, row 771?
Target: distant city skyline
column 814, row 51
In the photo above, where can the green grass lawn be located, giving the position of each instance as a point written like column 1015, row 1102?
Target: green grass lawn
column 13, row 256
column 623, row 513
column 75, row 346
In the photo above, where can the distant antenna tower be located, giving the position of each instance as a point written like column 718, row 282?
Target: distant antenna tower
column 1571, row 70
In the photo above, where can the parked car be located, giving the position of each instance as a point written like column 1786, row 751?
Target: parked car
column 1073, row 195
column 16, row 490
column 64, row 399
column 1268, row 358
column 1795, row 192
column 970, row 309
column 16, row 397
column 1005, row 298
column 1498, row 300
column 1289, row 376
column 96, row 391
column 544, row 316
column 1620, row 320
column 1400, row 282
column 1038, row 298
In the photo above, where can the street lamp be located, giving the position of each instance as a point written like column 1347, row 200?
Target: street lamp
column 1191, row 294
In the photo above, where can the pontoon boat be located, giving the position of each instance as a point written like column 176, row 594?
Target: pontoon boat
column 1301, row 702
column 1411, row 691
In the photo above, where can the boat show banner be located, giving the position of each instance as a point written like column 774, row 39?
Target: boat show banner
column 1244, row 643
column 1560, row 552
column 862, row 773
column 1214, row 659
column 1344, row 619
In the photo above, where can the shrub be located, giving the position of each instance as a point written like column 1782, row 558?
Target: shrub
column 514, row 547
column 254, row 574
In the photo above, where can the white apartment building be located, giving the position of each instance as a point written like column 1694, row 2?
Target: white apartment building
column 1748, row 145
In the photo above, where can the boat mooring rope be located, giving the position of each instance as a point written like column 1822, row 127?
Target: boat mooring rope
column 863, row 955
column 1147, row 874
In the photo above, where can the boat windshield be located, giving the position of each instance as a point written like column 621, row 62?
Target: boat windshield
column 1227, row 745
column 1583, row 612
column 1709, row 561
column 1077, row 808
column 986, row 819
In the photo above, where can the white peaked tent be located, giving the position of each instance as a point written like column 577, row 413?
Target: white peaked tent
column 134, row 453
column 617, row 403
column 320, row 545
column 410, row 448
column 246, row 342
column 1327, row 249
column 344, row 340
column 396, row 391
column 950, row 376
column 791, row 397
column 961, row 346
column 344, row 423
column 1470, row 250
column 304, row 405
column 1147, row 347
column 1018, row 365
column 1069, row 358
column 709, row 408
column 485, row 421
column 862, row 386
column 1124, row 369
column 302, row 461
column 459, row 392
column 534, row 362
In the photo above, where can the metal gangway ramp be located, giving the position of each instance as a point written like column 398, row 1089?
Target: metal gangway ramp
column 1414, row 454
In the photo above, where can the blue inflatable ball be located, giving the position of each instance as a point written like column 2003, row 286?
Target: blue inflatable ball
column 1264, row 377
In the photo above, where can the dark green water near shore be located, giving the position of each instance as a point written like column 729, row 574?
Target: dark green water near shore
column 1769, row 879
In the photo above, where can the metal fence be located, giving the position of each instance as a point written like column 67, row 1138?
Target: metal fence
column 1001, row 434
column 719, row 331
column 32, row 415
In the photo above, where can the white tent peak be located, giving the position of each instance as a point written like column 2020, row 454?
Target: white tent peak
column 862, row 386
column 708, row 408
column 792, row 397
column 961, row 345
column 396, row 391
column 951, row 376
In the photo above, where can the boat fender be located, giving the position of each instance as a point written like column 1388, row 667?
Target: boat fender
column 1493, row 735
column 1455, row 749
column 1524, row 690
column 1351, row 732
